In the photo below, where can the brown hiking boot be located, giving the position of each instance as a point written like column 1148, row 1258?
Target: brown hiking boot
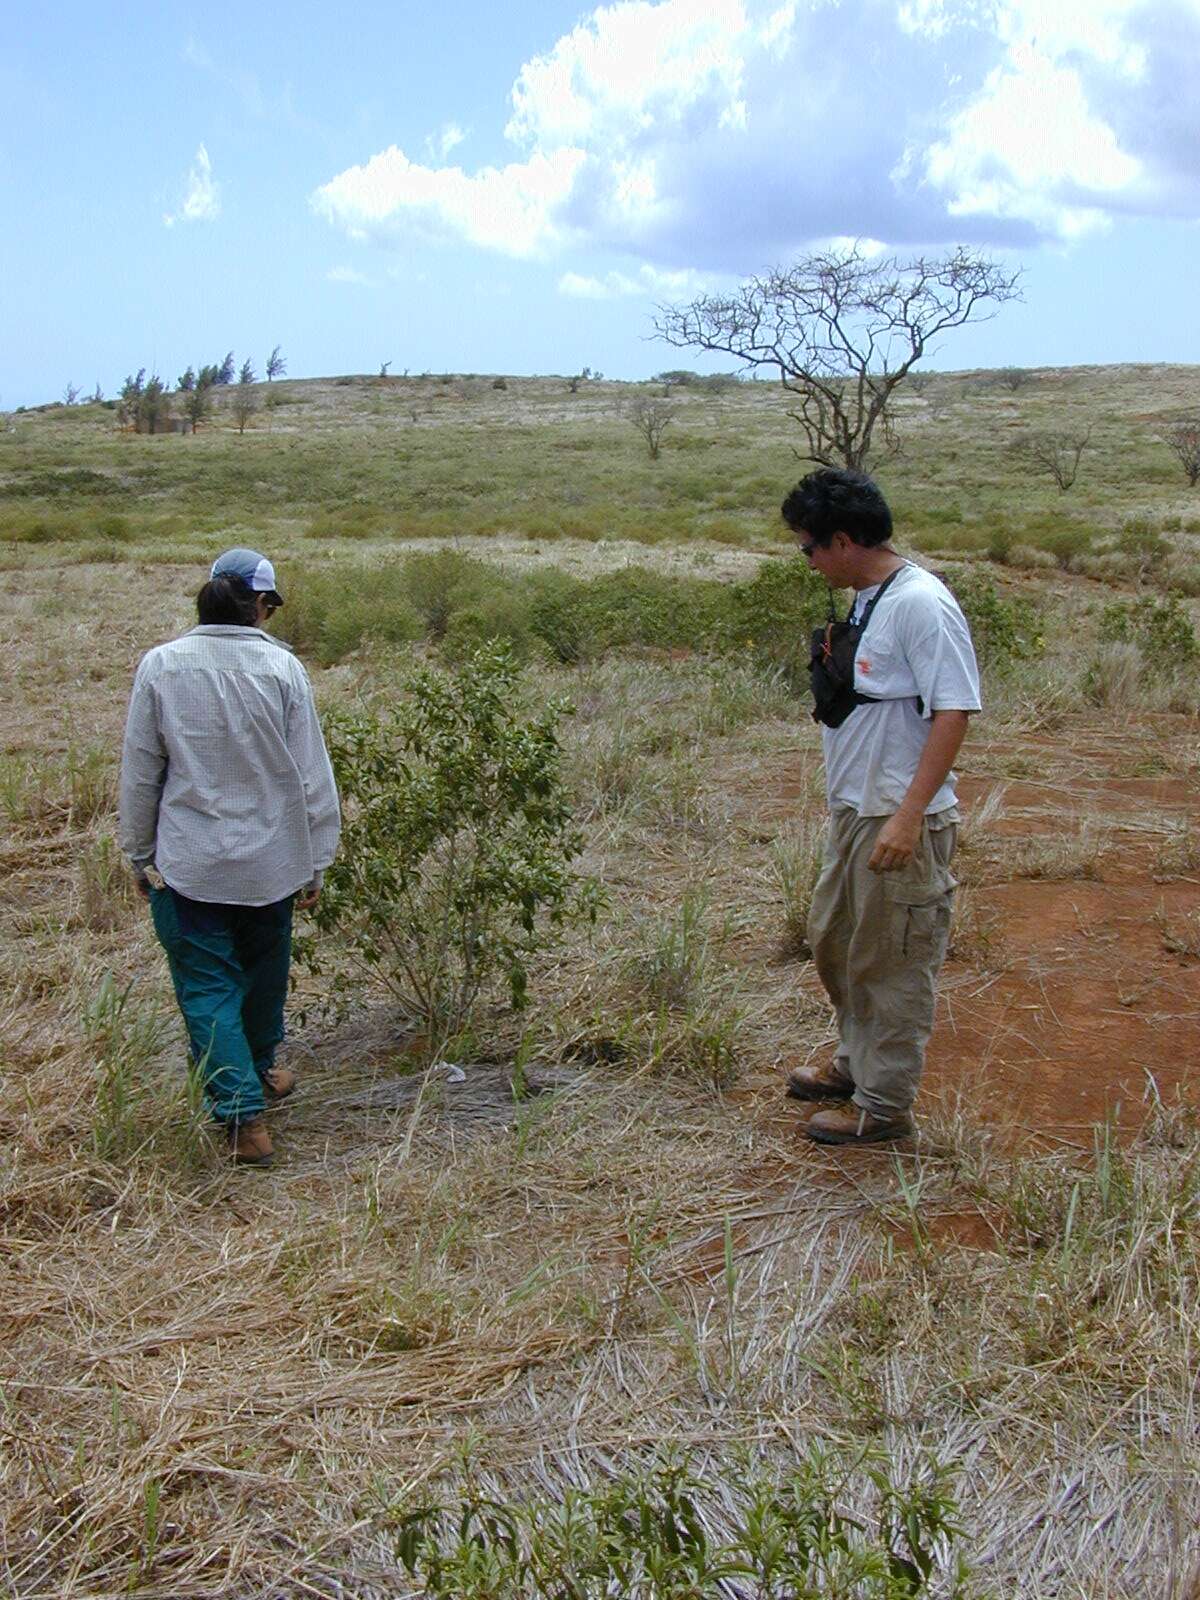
column 278, row 1082
column 822, row 1081
column 853, row 1125
column 250, row 1143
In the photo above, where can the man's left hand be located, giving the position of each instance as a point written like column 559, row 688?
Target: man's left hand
column 308, row 899
column 894, row 847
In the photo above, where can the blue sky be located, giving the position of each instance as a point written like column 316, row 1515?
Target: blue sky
column 470, row 187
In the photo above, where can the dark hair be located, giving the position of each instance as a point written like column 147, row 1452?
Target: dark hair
column 227, row 599
column 838, row 500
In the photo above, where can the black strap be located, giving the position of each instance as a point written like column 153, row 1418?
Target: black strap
column 861, row 625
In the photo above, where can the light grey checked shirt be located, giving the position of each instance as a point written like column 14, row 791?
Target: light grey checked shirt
column 226, row 786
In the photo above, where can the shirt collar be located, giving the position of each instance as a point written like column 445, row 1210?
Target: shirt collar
column 235, row 630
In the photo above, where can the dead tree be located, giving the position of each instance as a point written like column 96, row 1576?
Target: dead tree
column 842, row 330
column 651, row 418
column 1056, row 451
column 1183, row 438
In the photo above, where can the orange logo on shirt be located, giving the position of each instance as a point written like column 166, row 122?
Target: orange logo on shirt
column 863, row 666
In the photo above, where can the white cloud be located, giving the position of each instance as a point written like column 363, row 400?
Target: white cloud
column 448, row 137
column 1025, row 143
column 649, row 282
column 725, row 134
column 348, row 275
column 202, row 196
column 511, row 209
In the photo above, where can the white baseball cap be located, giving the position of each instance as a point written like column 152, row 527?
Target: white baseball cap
column 255, row 571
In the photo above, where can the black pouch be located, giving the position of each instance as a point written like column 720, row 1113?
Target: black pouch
column 831, row 664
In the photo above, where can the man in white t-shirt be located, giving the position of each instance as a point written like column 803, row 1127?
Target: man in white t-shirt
column 880, row 916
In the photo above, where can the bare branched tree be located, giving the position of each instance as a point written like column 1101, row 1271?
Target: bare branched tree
column 1056, row 451
column 1011, row 378
column 71, row 394
column 651, row 419
column 842, row 330
column 1183, row 438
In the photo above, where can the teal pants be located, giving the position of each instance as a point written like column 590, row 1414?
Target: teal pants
column 229, row 965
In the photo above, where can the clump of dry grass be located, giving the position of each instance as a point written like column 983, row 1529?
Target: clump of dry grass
column 1075, row 853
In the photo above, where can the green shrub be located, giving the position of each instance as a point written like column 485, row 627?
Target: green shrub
column 637, row 606
column 437, row 582
column 1067, row 543
column 1004, row 631
column 556, row 616
column 645, row 1535
column 330, row 612
column 502, row 614
column 773, row 614
column 1001, row 539
column 1142, row 541
column 1161, row 629
column 456, row 850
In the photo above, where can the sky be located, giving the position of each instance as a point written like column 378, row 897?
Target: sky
column 473, row 187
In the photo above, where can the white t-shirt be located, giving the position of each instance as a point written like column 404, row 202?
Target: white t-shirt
column 916, row 646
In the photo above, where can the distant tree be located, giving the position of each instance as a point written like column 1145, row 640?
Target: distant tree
column 225, row 370
column 197, row 405
column 1011, row 378
column 675, row 378
column 383, row 368
column 154, row 406
column 96, row 398
column 208, row 377
column 1054, row 451
column 186, row 382
column 1183, row 438
column 245, row 401
column 247, row 374
column 130, row 398
column 843, row 331
column 276, row 364
column 651, row 418
column 70, row 394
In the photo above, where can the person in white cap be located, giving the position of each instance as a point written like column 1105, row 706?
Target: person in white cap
column 229, row 816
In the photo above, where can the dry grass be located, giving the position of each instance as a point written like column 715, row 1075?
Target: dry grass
column 225, row 1384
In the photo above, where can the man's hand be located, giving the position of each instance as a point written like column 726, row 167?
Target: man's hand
column 307, row 899
column 897, row 840
column 142, row 885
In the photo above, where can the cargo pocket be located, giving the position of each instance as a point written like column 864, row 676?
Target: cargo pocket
column 918, row 900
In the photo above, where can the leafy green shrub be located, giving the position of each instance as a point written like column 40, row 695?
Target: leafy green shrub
column 1001, row 539
column 1142, row 541
column 644, row 1535
column 331, row 611
column 456, row 849
column 1161, row 629
column 1067, row 543
column 437, row 582
column 637, row 606
column 556, row 616
column 1004, row 631
column 773, row 614
column 501, row 614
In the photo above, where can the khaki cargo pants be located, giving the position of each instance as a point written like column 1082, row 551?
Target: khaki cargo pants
column 878, row 940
